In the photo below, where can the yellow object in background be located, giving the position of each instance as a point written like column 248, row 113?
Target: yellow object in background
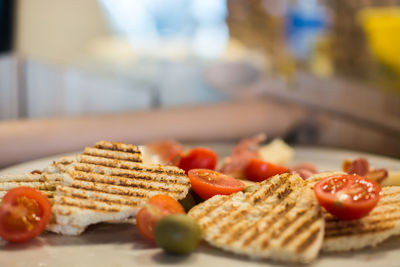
column 382, row 27
column 392, row 179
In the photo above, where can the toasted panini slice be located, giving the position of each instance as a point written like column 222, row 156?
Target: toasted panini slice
column 103, row 189
column 111, row 151
column 280, row 220
column 44, row 182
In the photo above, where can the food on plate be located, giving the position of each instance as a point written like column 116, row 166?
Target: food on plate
column 198, row 158
column 178, row 233
column 189, row 201
column 248, row 155
column 283, row 217
column 358, row 166
column 109, row 184
column 362, row 167
column 258, row 170
column 348, row 196
column 208, row 183
column 114, row 150
column 44, row 182
column 276, row 152
column 380, row 224
column 245, row 151
column 305, row 169
column 24, row 214
column 167, row 150
column 280, row 220
column 61, row 165
column 249, row 188
column 157, row 207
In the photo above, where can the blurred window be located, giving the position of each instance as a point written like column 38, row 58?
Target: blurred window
column 195, row 25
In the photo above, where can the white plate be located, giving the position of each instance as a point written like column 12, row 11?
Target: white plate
column 122, row 245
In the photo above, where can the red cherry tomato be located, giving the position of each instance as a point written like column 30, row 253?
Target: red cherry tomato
column 208, row 183
column 158, row 206
column 24, row 213
column 258, row 170
column 348, row 197
column 198, row 158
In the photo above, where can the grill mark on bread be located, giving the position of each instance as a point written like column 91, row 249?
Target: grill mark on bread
column 210, row 208
column 267, row 192
column 27, row 177
column 275, row 229
column 388, row 202
column 124, row 182
column 37, row 185
column 277, row 212
column 116, row 155
column 131, row 174
column 272, row 220
column 130, row 165
column 92, row 189
column 286, row 223
column 359, row 224
column 216, row 219
column 92, row 206
column 299, row 229
column 78, row 194
column 332, row 222
column 82, row 198
column 256, row 196
column 231, row 221
column 308, row 241
column 379, row 228
column 89, row 207
column 115, row 146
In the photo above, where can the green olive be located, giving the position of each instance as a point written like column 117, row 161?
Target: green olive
column 188, row 202
column 249, row 188
column 177, row 233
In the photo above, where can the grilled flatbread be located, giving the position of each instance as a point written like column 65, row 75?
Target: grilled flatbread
column 107, row 184
column 280, row 220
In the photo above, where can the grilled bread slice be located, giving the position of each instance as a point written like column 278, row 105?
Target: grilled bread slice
column 111, row 186
column 280, row 220
column 44, row 182
column 103, row 149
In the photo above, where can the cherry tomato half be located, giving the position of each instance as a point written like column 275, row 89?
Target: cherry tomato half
column 348, row 197
column 158, row 206
column 258, row 170
column 208, row 183
column 24, row 213
column 198, row 158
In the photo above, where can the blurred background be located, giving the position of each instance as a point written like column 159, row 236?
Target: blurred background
column 336, row 62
